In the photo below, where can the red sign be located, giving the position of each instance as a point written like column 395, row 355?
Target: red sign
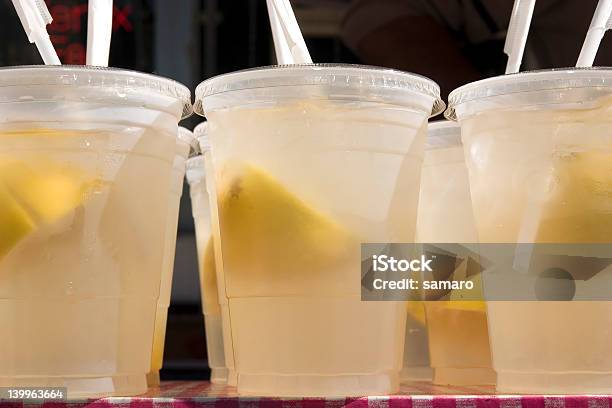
column 68, row 31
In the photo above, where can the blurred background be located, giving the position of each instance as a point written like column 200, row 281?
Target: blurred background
column 450, row 41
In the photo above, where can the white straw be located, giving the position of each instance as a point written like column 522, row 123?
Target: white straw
column 522, row 12
column 99, row 31
column 281, row 47
column 288, row 31
column 599, row 25
column 34, row 17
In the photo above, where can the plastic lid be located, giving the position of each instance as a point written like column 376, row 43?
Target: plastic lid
column 443, row 133
column 201, row 134
column 553, row 87
column 339, row 81
column 195, row 169
column 112, row 84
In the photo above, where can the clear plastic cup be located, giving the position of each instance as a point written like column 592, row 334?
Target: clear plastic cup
column 457, row 330
column 186, row 144
column 85, row 166
column 211, row 307
column 310, row 161
column 539, row 151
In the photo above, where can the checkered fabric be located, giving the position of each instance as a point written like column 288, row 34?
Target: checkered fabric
column 182, row 394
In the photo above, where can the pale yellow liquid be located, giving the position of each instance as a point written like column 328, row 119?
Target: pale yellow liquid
column 458, row 335
column 211, row 307
column 459, row 345
column 78, row 290
column 161, row 315
column 545, row 176
column 299, row 187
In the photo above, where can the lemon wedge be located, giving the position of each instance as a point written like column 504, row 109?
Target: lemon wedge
column 15, row 221
column 466, row 305
column 416, row 310
column 467, row 299
column 579, row 206
column 271, row 237
column 34, row 193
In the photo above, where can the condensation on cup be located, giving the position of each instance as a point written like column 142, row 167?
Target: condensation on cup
column 539, row 154
column 85, row 167
column 310, row 161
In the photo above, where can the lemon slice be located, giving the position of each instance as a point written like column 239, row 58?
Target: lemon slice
column 466, row 305
column 270, row 236
column 579, row 206
column 467, row 299
column 34, row 193
column 15, row 221
column 416, row 310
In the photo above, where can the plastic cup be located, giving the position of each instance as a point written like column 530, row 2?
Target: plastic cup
column 80, row 252
column 211, row 308
column 310, row 161
column 538, row 149
column 186, row 143
column 457, row 330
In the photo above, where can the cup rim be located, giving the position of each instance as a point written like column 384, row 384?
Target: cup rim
column 335, row 76
column 529, row 81
column 94, row 76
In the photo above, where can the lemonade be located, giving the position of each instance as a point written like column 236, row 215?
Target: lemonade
column 185, row 144
column 211, row 307
column 293, row 272
column 310, row 161
column 81, row 260
column 67, row 250
column 538, row 150
column 459, row 343
column 458, row 333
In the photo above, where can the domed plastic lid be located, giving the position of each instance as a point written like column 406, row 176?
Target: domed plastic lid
column 556, row 88
column 322, row 81
column 443, row 133
column 85, row 83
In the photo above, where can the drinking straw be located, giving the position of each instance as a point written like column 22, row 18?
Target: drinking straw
column 516, row 38
column 288, row 40
column 99, row 30
column 600, row 23
column 281, row 47
column 35, row 16
column 520, row 20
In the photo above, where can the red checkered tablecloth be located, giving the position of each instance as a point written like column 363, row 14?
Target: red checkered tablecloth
column 185, row 394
